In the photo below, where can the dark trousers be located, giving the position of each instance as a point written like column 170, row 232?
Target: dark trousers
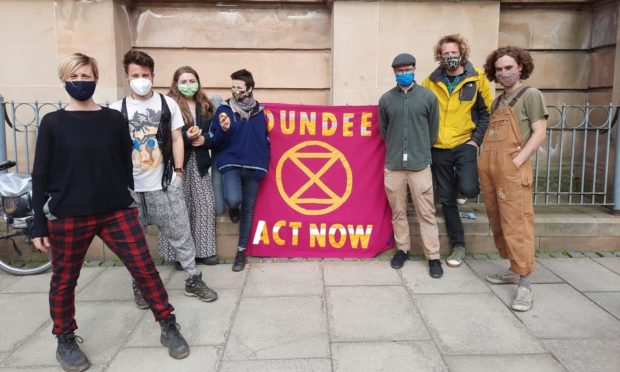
column 121, row 231
column 455, row 173
column 240, row 189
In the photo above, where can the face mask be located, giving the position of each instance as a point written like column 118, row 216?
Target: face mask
column 240, row 94
column 188, row 90
column 508, row 78
column 141, row 86
column 80, row 90
column 451, row 63
column 404, row 80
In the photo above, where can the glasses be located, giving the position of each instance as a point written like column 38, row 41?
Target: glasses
column 402, row 72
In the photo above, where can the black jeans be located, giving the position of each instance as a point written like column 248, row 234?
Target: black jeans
column 455, row 172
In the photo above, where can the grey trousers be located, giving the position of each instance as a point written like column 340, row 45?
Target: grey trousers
column 166, row 210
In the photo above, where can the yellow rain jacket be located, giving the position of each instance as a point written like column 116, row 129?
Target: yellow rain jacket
column 464, row 114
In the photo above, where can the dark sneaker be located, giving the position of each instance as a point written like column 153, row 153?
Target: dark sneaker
column 172, row 338
column 456, row 258
column 434, row 269
column 234, row 214
column 239, row 263
column 178, row 266
column 137, row 297
column 211, row 260
column 68, row 353
column 196, row 287
column 398, row 260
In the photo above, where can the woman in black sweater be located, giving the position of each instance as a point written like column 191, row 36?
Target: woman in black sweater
column 82, row 181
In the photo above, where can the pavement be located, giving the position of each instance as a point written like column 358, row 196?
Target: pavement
column 334, row 315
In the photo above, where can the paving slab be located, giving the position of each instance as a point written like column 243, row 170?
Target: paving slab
column 485, row 325
column 609, row 301
column 2, row 357
column 201, row 323
column 387, row 357
column 217, row 277
column 455, row 280
column 41, row 283
column 203, row 358
column 560, row 311
column 383, row 313
column 297, row 365
column 504, row 363
column 262, row 329
column 104, row 327
column 114, row 283
column 612, row 263
column 285, row 279
column 485, row 267
column 6, row 279
column 587, row 355
column 93, row 368
column 360, row 273
column 22, row 315
column 584, row 274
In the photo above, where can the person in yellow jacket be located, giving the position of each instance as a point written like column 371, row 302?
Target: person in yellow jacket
column 464, row 95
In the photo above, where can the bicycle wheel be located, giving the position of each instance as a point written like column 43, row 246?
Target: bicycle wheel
column 18, row 255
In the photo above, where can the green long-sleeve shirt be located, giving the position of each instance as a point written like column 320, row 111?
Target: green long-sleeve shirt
column 409, row 126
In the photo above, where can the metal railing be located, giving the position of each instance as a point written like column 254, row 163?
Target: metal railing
column 573, row 167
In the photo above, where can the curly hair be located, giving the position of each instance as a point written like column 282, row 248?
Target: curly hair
column 202, row 101
column 521, row 56
column 454, row 38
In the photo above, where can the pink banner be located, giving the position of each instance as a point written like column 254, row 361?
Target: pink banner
column 323, row 195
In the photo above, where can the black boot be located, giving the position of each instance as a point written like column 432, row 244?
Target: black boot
column 196, row 287
column 234, row 214
column 68, row 353
column 239, row 263
column 137, row 297
column 172, row 338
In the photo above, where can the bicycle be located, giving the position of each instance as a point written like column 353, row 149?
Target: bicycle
column 17, row 215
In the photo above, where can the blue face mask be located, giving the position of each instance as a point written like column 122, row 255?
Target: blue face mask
column 404, row 80
column 80, row 90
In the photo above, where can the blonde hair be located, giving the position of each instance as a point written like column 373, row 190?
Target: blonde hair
column 75, row 61
column 458, row 40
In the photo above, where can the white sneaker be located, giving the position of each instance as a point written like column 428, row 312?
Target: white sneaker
column 524, row 299
column 461, row 201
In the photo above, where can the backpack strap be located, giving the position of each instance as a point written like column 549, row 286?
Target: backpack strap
column 519, row 95
column 124, row 110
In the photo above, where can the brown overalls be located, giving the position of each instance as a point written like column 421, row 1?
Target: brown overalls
column 507, row 190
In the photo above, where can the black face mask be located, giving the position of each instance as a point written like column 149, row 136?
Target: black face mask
column 80, row 90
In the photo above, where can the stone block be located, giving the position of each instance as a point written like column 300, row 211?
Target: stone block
column 586, row 355
column 392, row 356
column 281, row 69
column 26, row 316
column 298, row 365
column 604, row 25
column 579, row 243
column 584, row 274
column 572, row 73
column 455, row 280
column 610, row 301
column 606, row 254
column 201, row 323
column 573, row 254
column 612, row 263
column 226, row 246
column 262, row 329
column 485, row 323
column 560, row 311
column 536, row 28
column 359, row 314
column 302, row 278
column 359, row 273
column 201, row 358
column 602, row 75
column 504, row 363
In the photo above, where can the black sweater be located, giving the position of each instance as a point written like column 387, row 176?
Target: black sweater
column 203, row 158
column 82, row 165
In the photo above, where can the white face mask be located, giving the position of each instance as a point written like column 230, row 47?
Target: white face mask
column 141, row 86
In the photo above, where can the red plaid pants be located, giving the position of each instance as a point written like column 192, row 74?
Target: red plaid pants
column 121, row 231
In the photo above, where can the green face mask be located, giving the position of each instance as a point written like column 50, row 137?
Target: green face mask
column 188, row 90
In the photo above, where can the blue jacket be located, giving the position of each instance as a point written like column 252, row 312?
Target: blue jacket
column 245, row 144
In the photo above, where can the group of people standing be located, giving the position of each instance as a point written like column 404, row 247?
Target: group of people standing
column 111, row 172
column 448, row 138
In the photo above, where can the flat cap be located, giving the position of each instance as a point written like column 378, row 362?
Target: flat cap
column 403, row 59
